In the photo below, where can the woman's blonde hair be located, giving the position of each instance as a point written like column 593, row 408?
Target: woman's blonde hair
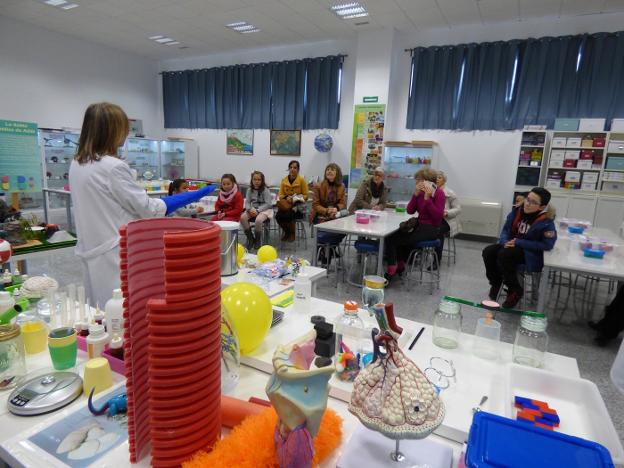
column 335, row 167
column 427, row 174
column 104, row 129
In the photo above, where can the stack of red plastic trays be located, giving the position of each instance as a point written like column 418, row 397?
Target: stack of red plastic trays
column 170, row 272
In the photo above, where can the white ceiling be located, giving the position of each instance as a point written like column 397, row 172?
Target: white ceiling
column 200, row 24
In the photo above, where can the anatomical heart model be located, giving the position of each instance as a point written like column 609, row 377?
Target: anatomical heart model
column 299, row 396
column 391, row 395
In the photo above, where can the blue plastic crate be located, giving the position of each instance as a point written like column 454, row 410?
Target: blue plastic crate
column 495, row 441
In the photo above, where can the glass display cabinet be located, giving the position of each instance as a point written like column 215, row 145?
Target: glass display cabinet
column 58, row 150
column 401, row 161
column 143, row 156
column 172, row 156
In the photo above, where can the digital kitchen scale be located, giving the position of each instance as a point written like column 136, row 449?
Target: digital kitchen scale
column 45, row 393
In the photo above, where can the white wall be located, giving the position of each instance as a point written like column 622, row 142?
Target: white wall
column 213, row 159
column 478, row 164
column 50, row 78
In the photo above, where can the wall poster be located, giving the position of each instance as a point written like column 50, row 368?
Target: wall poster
column 20, row 159
column 367, row 145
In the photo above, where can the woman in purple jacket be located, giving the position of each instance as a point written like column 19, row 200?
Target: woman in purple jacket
column 428, row 201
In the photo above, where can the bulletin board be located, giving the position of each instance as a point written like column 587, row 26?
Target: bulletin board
column 367, row 144
column 20, row 160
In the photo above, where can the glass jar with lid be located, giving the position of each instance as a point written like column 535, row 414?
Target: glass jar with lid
column 447, row 324
column 12, row 356
column 531, row 341
column 373, row 291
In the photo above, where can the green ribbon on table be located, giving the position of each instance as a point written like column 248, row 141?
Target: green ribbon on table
column 479, row 305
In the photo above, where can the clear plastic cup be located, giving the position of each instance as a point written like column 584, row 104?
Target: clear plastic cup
column 487, row 339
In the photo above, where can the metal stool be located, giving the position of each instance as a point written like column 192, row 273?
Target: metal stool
column 364, row 249
column 424, row 256
column 450, row 251
column 529, row 282
column 331, row 250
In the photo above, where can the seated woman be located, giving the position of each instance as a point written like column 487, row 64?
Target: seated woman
column 259, row 209
column 527, row 233
column 450, row 223
column 429, row 202
column 292, row 196
column 329, row 202
column 229, row 205
column 188, row 211
column 372, row 194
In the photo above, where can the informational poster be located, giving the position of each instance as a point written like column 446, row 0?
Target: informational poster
column 20, row 160
column 367, row 146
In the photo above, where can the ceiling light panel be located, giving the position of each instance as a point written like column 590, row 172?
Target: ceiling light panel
column 349, row 10
column 242, row 27
column 69, row 6
column 55, row 2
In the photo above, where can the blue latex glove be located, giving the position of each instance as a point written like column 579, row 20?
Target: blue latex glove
column 174, row 202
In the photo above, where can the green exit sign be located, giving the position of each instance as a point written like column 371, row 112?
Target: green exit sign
column 370, row 99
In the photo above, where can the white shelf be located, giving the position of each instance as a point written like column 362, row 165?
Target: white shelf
column 577, row 148
column 572, row 169
column 532, row 146
column 530, row 167
column 613, row 170
column 584, row 132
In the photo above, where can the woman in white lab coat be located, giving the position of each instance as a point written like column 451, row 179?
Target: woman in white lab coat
column 106, row 196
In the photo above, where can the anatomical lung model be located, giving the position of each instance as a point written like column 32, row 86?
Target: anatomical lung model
column 391, row 395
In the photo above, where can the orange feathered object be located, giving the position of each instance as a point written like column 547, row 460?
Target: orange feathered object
column 251, row 445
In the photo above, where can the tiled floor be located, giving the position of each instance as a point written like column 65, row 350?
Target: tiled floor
column 464, row 279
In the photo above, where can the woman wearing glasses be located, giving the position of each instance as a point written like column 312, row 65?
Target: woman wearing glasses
column 528, row 232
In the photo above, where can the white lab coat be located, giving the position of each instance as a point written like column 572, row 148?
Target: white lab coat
column 105, row 196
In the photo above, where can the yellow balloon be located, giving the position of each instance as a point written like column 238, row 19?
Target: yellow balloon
column 240, row 253
column 251, row 312
column 266, row 253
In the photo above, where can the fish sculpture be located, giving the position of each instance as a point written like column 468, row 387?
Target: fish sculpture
column 117, row 404
column 392, row 395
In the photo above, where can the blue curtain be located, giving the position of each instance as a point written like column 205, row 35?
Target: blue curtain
column 295, row 94
column 506, row 85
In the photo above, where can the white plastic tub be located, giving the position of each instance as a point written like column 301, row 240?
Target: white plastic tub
column 577, row 401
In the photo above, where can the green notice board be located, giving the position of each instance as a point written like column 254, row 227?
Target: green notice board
column 20, row 161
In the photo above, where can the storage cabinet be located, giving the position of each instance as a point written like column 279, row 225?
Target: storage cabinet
column 531, row 159
column 401, row 161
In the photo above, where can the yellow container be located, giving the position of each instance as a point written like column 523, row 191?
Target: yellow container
column 98, row 374
column 34, row 336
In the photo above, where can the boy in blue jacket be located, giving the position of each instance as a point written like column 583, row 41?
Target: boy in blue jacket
column 528, row 232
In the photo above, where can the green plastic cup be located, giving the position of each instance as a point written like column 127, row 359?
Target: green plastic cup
column 63, row 347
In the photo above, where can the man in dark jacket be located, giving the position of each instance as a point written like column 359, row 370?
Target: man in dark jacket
column 528, row 232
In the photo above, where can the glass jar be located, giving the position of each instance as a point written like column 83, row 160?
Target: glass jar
column 12, row 356
column 531, row 341
column 447, row 324
column 373, row 291
column 230, row 353
column 350, row 336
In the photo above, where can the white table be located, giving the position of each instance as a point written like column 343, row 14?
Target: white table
column 387, row 225
column 567, row 258
column 475, row 377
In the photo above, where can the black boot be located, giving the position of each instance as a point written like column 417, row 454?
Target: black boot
column 257, row 240
column 250, row 239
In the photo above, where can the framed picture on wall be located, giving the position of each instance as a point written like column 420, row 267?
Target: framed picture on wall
column 239, row 142
column 285, row 143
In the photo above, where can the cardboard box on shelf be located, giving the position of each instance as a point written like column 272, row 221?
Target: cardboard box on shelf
column 616, row 146
column 585, row 164
column 557, row 154
column 559, row 142
column 588, row 186
column 573, row 142
column 574, row 154
column 569, row 163
column 587, row 154
column 590, row 177
column 613, row 187
column 599, row 141
column 573, row 176
column 615, row 163
column 553, row 183
column 592, row 125
column 572, row 185
column 617, row 125
column 557, row 163
column 567, row 125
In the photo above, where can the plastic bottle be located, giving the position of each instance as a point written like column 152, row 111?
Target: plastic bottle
column 16, row 277
column 6, row 301
column 115, row 348
column 98, row 316
column 303, row 293
column 350, row 333
column 96, row 340
column 113, row 311
column 7, row 279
